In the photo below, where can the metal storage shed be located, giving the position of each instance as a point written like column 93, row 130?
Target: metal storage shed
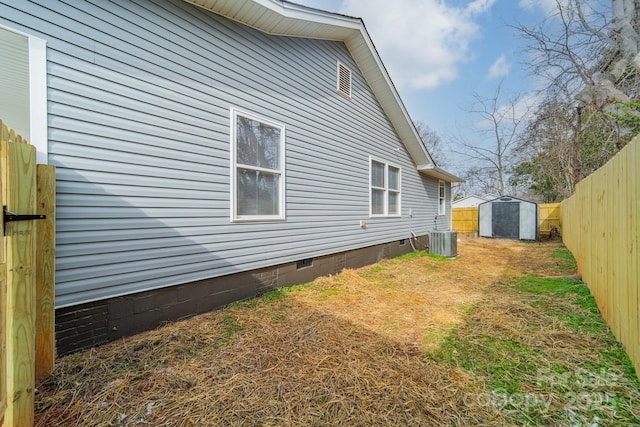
column 508, row 218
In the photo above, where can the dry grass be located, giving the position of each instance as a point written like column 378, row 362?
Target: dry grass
column 366, row 347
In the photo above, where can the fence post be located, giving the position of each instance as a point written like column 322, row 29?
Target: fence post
column 45, row 271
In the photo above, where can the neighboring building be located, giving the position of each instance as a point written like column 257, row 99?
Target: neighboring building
column 472, row 201
column 208, row 151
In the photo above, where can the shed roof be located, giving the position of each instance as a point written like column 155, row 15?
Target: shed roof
column 473, row 197
column 284, row 18
column 502, row 199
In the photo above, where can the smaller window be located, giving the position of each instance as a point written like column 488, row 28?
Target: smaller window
column 442, row 207
column 344, row 80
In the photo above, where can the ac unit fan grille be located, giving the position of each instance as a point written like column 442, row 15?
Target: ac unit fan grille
column 444, row 243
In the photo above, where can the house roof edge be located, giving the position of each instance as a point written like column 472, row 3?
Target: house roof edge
column 280, row 17
column 439, row 173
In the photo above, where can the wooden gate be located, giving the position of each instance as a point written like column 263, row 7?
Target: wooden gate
column 464, row 220
column 27, row 274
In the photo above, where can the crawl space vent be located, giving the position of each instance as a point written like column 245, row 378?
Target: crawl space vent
column 344, row 80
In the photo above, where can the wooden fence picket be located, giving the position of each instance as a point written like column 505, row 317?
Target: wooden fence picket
column 602, row 230
column 548, row 219
column 20, row 180
column 26, row 279
column 464, row 220
column 3, row 295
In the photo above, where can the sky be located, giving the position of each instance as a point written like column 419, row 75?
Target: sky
column 440, row 52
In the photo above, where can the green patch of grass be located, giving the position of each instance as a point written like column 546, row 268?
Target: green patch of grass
column 412, row 255
column 231, row 327
column 279, row 293
column 526, row 379
column 615, row 355
column 372, row 273
column 564, row 260
column 505, row 362
column 274, row 295
column 326, row 293
column 435, row 256
column 568, row 300
column 542, row 285
column 562, row 253
column 271, row 296
column 421, row 254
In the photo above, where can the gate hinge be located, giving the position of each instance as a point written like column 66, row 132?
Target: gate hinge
column 11, row 216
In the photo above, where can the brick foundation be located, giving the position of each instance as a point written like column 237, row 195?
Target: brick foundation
column 87, row 325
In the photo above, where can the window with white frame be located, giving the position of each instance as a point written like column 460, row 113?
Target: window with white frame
column 442, row 206
column 23, row 81
column 257, row 168
column 385, row 189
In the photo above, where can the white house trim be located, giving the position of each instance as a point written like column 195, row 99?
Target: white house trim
column 38, row 97
column 37, row 94
column 235, row 217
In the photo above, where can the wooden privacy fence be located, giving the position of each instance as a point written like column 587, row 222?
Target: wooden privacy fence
column 465, row 220
column 548, row 219
column 601, row 224
column 27, row 274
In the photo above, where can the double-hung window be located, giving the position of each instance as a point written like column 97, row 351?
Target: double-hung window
column 257, row 168
column 23, row 87
column 385, row 189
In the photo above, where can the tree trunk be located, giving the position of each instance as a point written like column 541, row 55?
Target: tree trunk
column 576, row 173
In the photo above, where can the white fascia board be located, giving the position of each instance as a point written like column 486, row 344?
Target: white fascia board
column 283, row 18
column 436, row 172
column 366, row 56
column 279, row 17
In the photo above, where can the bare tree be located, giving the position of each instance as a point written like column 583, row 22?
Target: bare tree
column 481, row 180
column 488, row 147
column 433, row 142
column 588, row 52
column 609, row 85
column 561, row 145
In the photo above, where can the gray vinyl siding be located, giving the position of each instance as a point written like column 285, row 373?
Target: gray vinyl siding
column 139, row 99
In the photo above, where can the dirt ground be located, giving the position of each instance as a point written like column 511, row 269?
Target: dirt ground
column 351, row 349
column 423, row 302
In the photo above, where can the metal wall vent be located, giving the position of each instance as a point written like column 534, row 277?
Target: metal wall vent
column 304, row 263
column 344, row 80
column 444, row 243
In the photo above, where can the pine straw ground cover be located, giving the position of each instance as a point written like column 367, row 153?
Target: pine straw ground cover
column 490, row 338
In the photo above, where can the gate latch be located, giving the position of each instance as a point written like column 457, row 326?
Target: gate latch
column 10, row 217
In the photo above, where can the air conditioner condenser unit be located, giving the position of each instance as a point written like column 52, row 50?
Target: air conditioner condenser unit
column 444, row 243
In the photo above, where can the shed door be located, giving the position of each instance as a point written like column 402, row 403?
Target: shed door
column 505, row 220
